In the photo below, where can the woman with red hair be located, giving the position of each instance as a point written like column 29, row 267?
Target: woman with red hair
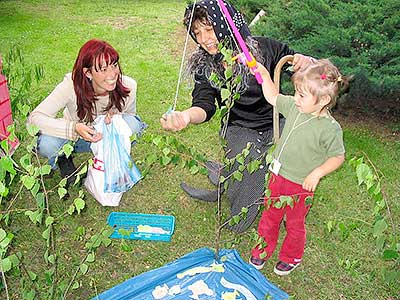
column 95, row 86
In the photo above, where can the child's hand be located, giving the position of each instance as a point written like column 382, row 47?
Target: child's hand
column 311, row 181
column 260, row 69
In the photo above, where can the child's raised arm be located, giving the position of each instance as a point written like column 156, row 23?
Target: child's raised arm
column 269, row 90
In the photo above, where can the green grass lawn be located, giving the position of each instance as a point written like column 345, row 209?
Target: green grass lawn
column 149, row 37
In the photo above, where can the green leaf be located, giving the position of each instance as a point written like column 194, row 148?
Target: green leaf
column 166, row 151
column 32, row 275
column 14, row 260
column 61, row 192
column 234, row 220
column 390, row 254
column 31, row 216
column 49, row 276
column 157, row 140
column 106, row 242
column 46, row 233
column 225, row 94
column 107, row 232
column 29, row 295
column 44, row 170
column 165, row 160
column 253, row 166
column 377, row 189
column 4, row 243
column 63, row 182
column 90, row 258
column 6, row 265
column 28, row 181
column 25, row 161
column 32, row 129
column 308, row 201
column 79, row 204
column 330, row 225
column 237, row 175
column 380, row 242
column 67, row 149
column 277, row 204
column 194, row 170
column 83, row 170
column 84, row 268
column 75, row 285
column 124, row 232
column 391, row 276
column 3, row 234
column 35, row 189
column 228, row 73
column 49, row 220
column 240, row 159
column 52, row 259
column 379, row 227
column 126, row 247
column 362, row 171
column 7, row 165
column 3, row 190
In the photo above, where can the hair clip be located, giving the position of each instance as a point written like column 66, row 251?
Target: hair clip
column 323, row 76
column 339, row 79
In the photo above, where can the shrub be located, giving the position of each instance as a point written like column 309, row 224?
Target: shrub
column 361, row 37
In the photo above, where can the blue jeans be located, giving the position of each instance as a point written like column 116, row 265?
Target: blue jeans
column 48, row 146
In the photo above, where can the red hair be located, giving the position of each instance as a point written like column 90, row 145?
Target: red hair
column 90, row 55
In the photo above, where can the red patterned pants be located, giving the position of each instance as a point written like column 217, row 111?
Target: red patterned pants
column 292, row 249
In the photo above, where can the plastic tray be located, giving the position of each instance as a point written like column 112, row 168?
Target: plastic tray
column 142, row 226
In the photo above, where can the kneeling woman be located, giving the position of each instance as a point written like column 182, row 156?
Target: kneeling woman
column 95, row 86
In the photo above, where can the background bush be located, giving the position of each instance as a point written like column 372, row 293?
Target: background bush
column 361, row 37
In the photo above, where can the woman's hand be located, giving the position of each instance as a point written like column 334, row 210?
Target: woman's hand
column 87, row 133
column 301, row 61
column 175, row 121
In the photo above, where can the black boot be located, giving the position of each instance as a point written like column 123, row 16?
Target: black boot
column 67, row 167
column 200, row 194
column 214, row 170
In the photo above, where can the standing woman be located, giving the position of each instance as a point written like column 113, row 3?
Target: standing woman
column 96, row 86
column 250, row 118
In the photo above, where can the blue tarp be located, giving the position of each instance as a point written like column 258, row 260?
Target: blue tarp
column 198, row 275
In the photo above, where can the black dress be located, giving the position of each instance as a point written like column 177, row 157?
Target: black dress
column 251, row 120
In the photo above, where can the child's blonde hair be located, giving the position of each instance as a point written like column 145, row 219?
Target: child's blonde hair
column 321, row 78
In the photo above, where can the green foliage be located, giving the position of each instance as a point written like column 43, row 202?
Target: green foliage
column 21, row 77
column 250, row 8
column 361, row 37
column 387, row 239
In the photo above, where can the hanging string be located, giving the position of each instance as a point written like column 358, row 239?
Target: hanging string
column 229, row 27
column 171, row 109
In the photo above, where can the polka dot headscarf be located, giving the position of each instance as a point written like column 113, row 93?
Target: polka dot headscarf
column 217, row 19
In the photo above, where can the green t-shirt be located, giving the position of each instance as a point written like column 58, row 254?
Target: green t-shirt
column 313, row 140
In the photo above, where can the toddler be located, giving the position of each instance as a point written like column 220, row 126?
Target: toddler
column 311, row 147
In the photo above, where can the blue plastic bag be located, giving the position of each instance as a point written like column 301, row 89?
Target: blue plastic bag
column 198, row 275
column 120, row 172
